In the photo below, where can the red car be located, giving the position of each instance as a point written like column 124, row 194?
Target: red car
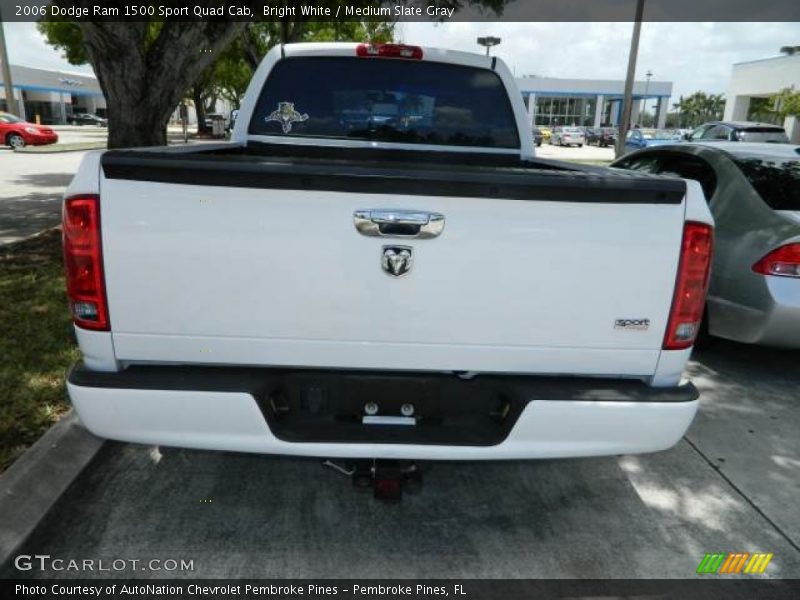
column 17, row 133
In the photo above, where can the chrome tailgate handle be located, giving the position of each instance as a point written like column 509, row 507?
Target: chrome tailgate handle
column 398, row 223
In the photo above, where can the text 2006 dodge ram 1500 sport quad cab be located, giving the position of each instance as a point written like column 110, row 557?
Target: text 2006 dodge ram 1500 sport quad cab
column 376, row 266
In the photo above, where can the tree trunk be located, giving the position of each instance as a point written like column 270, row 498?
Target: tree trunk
column 144, row 81
column 132, row 124
column 200, row 110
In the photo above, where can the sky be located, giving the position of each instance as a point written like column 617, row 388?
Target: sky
column 694, row 56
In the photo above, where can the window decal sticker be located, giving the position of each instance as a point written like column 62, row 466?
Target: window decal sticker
column 286, row 115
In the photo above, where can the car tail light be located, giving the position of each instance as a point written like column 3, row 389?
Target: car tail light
column 83, row 260
column 782, row 262
column 388, row 51
column 691, row 286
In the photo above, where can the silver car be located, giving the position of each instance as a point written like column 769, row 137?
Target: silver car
column 568, row 136
column 754, row 194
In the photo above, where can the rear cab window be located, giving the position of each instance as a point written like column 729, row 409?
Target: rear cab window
column 776, row 180
column 763, row 134
column 386, row 100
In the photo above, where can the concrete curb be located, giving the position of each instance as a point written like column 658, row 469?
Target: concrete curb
column 10, row 245
column 78, row 147
column 38, row 478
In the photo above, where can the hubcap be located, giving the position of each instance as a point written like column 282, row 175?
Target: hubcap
column 16, row 141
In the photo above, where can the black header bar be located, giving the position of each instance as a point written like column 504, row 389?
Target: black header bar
column 403, row 10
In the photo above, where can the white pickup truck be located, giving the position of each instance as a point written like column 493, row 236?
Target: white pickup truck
column 377, row 266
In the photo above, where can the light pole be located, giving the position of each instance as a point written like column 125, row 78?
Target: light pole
column 488, row 41
column 628, row 99
column 11, row 104
column 647, row 75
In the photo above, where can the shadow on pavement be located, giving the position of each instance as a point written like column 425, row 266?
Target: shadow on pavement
column 49, row 180
column 29, row 214
column 748, row 425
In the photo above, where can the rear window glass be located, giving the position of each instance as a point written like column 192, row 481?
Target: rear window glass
column 762, row 134
column 777, row 181
column 385, row 100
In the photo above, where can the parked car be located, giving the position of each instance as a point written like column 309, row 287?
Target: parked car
column 645, row 138
column 601, row 136
column 211, row 117
column 754, row 194
column 568, row 136
column 88, row 119
column 546, row 133
column 18, row 133
column 739, row 131
column 537, row 136
column 310, row 289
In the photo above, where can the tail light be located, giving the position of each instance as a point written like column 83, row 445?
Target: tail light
column 690, row 287
column 388, row 51
column 783, row 262
column 83, row 260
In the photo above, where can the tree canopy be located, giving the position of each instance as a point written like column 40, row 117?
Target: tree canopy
column 699, row 108
column 787, row 103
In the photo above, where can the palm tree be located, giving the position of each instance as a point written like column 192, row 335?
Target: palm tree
column 699, row 108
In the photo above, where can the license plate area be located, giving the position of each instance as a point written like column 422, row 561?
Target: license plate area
column 320, row 407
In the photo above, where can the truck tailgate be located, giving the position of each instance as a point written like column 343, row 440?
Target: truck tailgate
column 530, row 274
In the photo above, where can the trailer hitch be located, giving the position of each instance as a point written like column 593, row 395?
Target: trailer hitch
column 387, row 478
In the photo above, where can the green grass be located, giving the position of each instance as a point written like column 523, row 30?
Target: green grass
column 37, row 343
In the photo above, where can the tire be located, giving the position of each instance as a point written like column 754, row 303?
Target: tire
column 580, row 145
column 15, row 140
column 704, row 338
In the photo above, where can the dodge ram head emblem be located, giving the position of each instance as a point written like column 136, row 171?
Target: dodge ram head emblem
column 396, row 260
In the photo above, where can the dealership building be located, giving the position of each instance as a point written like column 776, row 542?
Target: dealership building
column 555, row 101
column 56, row 95
column 53, row 96
column 762, row 79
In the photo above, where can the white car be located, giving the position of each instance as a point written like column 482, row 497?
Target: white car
column 376, row 266
column 568, row 136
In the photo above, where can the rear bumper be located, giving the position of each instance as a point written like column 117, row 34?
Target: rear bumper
column 228, row 409
column 773, row 319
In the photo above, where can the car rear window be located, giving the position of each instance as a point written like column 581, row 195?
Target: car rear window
column 762, row 134
column 385, row 100
column 777, row 181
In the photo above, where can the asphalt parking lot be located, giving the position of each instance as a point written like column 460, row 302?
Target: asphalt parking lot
column 31, row 186
column 584, row 153
column 730, row 485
